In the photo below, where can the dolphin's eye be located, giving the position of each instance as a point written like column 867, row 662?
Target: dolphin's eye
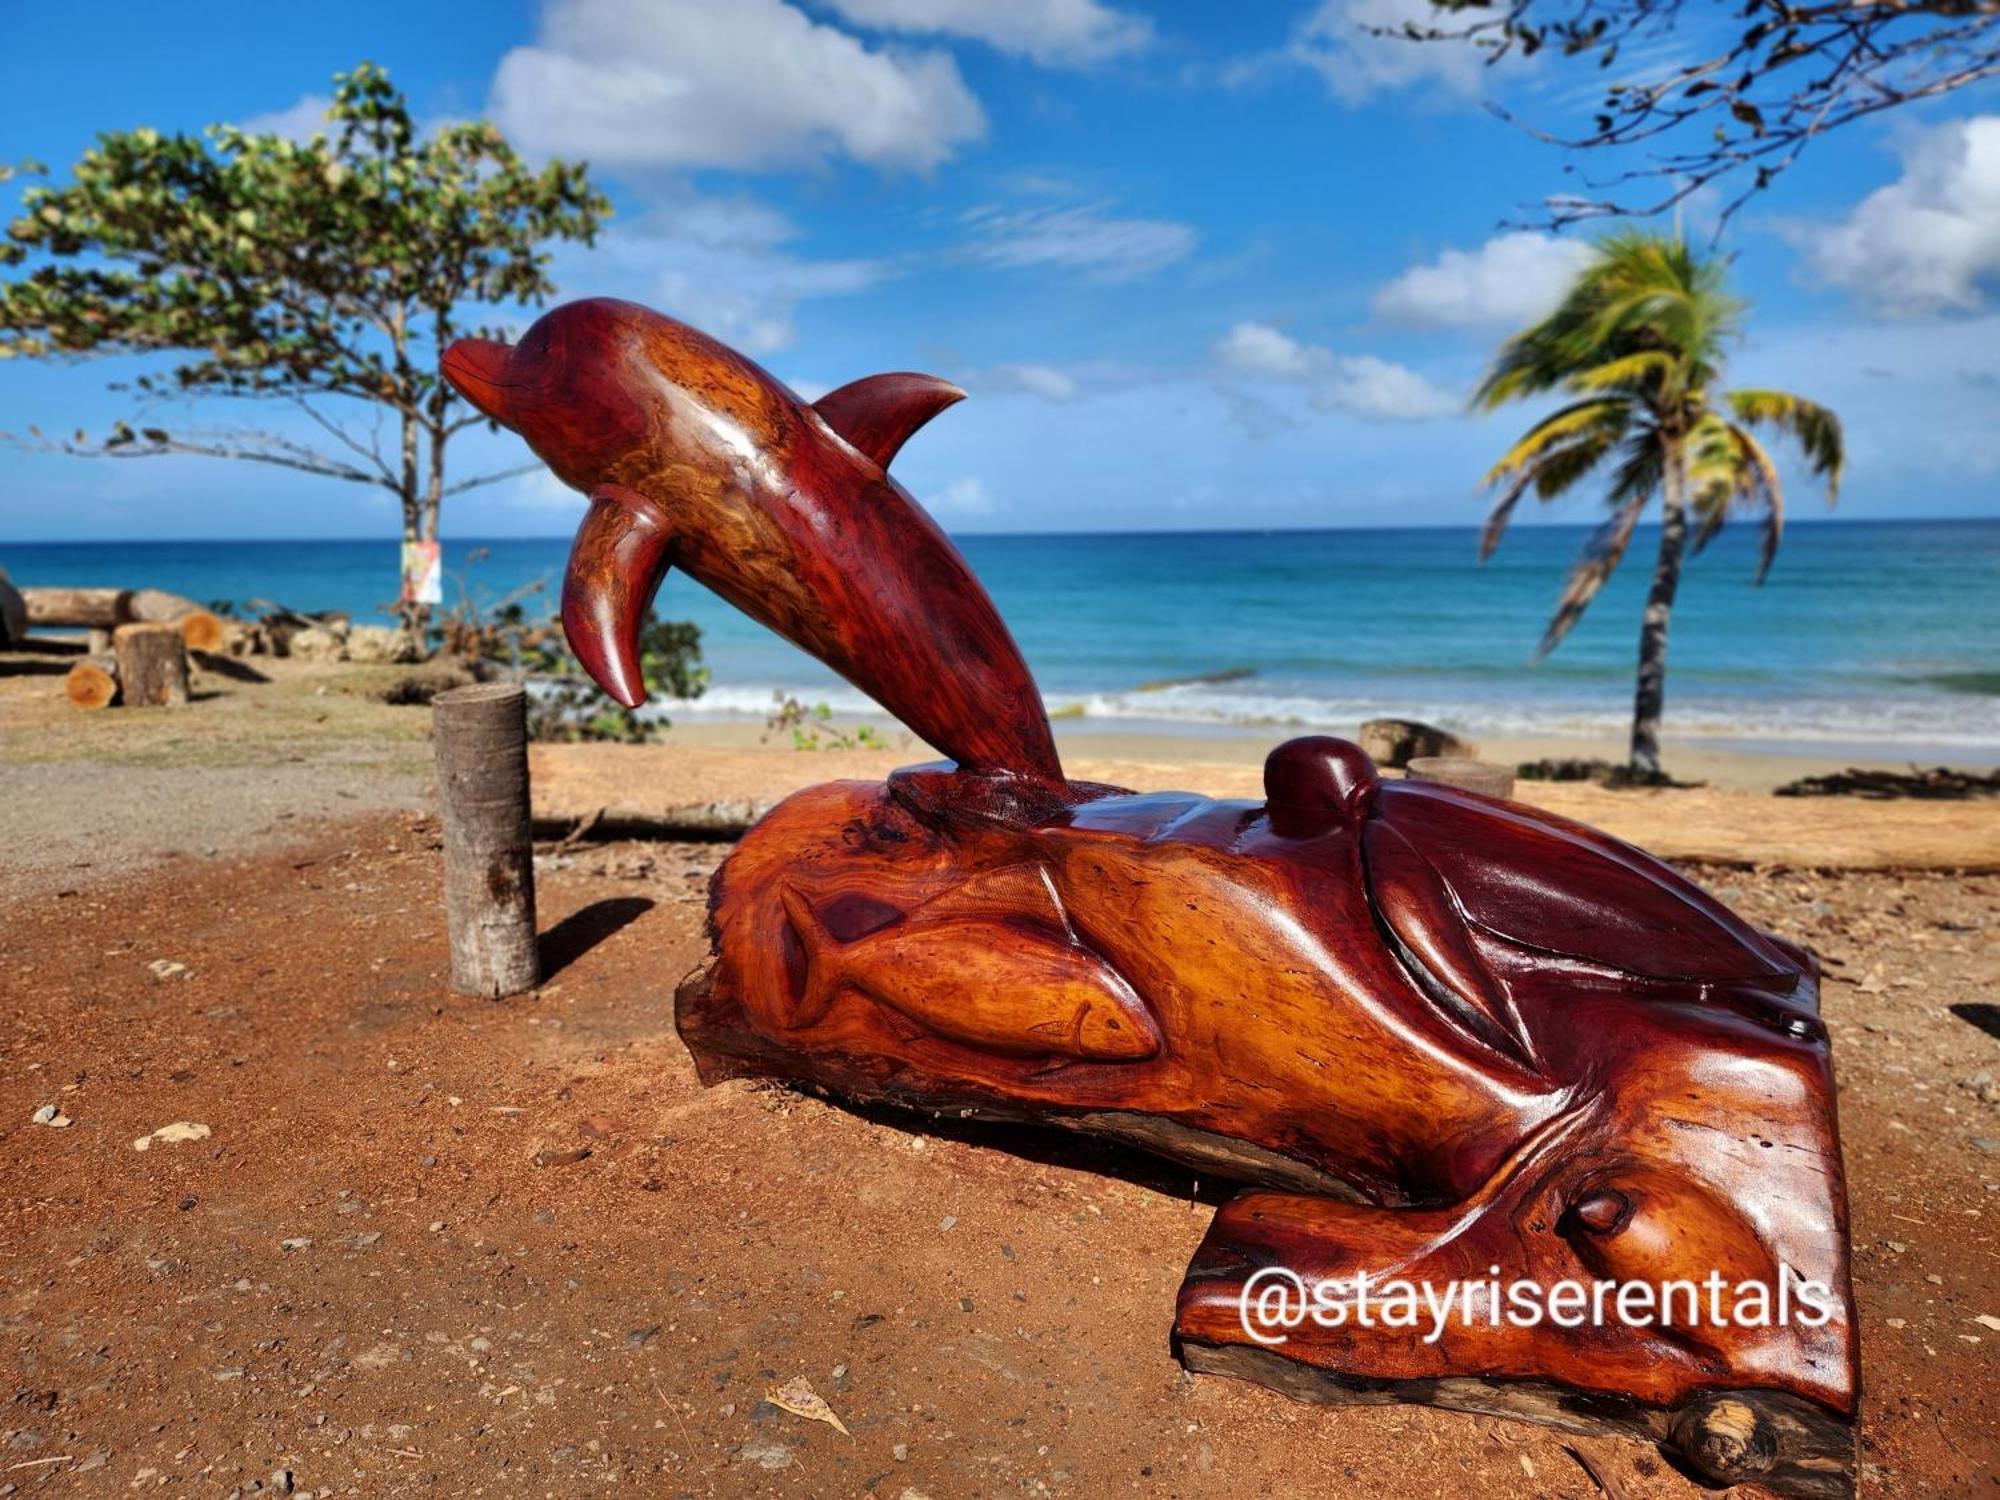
column 1602, row 1211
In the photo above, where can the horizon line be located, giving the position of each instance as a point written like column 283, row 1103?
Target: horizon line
column 1473, row 526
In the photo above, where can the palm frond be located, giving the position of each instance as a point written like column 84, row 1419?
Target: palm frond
column 1815, row 428
column 1600, row 559
column 1601, row 414
column 1763, row 478
column 1639, row 474
column 1626, row 370
column 1550, row 475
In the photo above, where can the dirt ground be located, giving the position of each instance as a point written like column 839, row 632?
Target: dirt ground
column 424, row 1246
column 431, row 1246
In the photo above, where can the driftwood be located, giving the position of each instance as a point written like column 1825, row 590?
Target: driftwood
column 152, row 665
column 93, row 682
column 1940, row 783
column 489, row 868
column 1444, row 1032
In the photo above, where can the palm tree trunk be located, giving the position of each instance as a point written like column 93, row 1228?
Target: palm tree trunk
column 1650, row 698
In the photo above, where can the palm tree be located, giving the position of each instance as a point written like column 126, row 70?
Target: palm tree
column 1639, row 342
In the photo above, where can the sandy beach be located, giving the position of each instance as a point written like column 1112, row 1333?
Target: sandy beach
column 429, row 1244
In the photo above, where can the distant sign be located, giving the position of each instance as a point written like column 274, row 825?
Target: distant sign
column 423, row 573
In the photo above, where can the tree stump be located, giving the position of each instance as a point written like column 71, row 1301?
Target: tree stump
column 13, row 613
column 93, row 682
column 201, row 630
column 152, row 664
column 1460, row 771
column 489, row 868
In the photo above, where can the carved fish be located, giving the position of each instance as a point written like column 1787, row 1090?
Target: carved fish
column 1037, row 993
column 694, row 457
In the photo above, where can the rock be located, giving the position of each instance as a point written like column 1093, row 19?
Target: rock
column 298, row 1242
column 766, row 1454
column 316, row 643
column 1394, row 742
column 167, row 968
column 379, row 643
column 173, row 1134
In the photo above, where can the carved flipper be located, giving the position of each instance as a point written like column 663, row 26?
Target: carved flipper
column 620, row 555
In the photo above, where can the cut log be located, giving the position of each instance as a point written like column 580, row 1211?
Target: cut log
column 93, row 682
column 13, row 613
column 199, row 628
column 152, row 664
column 489, row 866
column 1457, row 770
column 95, row 609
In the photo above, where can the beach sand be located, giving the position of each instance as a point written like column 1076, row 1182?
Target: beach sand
column 438, row 1246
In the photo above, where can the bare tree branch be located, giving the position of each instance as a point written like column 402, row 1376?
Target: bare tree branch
column 1781, row 76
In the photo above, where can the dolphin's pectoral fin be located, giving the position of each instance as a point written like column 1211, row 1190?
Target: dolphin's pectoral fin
column 620, row 554
column 878, row 413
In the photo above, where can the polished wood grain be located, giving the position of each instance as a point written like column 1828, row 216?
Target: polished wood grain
column 1446, row 1032
column 695, row 458
column 1444, row 1036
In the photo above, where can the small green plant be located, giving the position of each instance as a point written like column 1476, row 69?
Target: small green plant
column 812, row 728
column 568, row 706
column 563, row 703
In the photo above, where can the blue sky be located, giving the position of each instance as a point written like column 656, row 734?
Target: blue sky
column 1200, row 266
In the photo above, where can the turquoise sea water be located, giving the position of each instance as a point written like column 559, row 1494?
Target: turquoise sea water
column 1881, row 638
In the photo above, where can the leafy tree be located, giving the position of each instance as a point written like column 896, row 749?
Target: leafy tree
column 324, row 277
column 1639, row 341
column 1748, row 88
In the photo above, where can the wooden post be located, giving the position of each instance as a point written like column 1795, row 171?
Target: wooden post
column 152, row 664
column 489, row 863
column 93, row 682
column 1460, row 771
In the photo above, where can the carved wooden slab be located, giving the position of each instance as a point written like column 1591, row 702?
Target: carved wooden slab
column 1457, row 1043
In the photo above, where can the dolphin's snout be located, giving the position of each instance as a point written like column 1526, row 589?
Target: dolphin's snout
column 478, row 368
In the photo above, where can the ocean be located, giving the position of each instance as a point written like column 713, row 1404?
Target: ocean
column 1869, row 638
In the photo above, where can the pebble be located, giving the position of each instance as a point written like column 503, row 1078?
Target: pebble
column 766, row 1453
column 167, row 968
column 52, row 1117
column 948, row 1223
column 301, row 1242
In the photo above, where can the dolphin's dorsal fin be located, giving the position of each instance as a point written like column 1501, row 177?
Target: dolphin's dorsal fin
column 878, row 413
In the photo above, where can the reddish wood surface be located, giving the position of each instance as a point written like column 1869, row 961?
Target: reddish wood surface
column 696, row 458
column 1446, row 1033
column 1458, row 1033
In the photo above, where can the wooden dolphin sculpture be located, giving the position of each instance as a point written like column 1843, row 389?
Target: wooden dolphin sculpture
column 694, row 457
column 1449, row 1037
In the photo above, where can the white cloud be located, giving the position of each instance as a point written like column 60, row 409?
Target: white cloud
column 1045, row 381
column 752, row 84
column 1359, row 383
column 1339, row 41
column 1082, row 238
column 718, row 263
column 1511, row 280
column 1929, row 241
column 303, row 118
column 962, row 497
column 1050, row 32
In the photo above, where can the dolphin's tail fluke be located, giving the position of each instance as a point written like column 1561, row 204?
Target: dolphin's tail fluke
column 621, row 553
